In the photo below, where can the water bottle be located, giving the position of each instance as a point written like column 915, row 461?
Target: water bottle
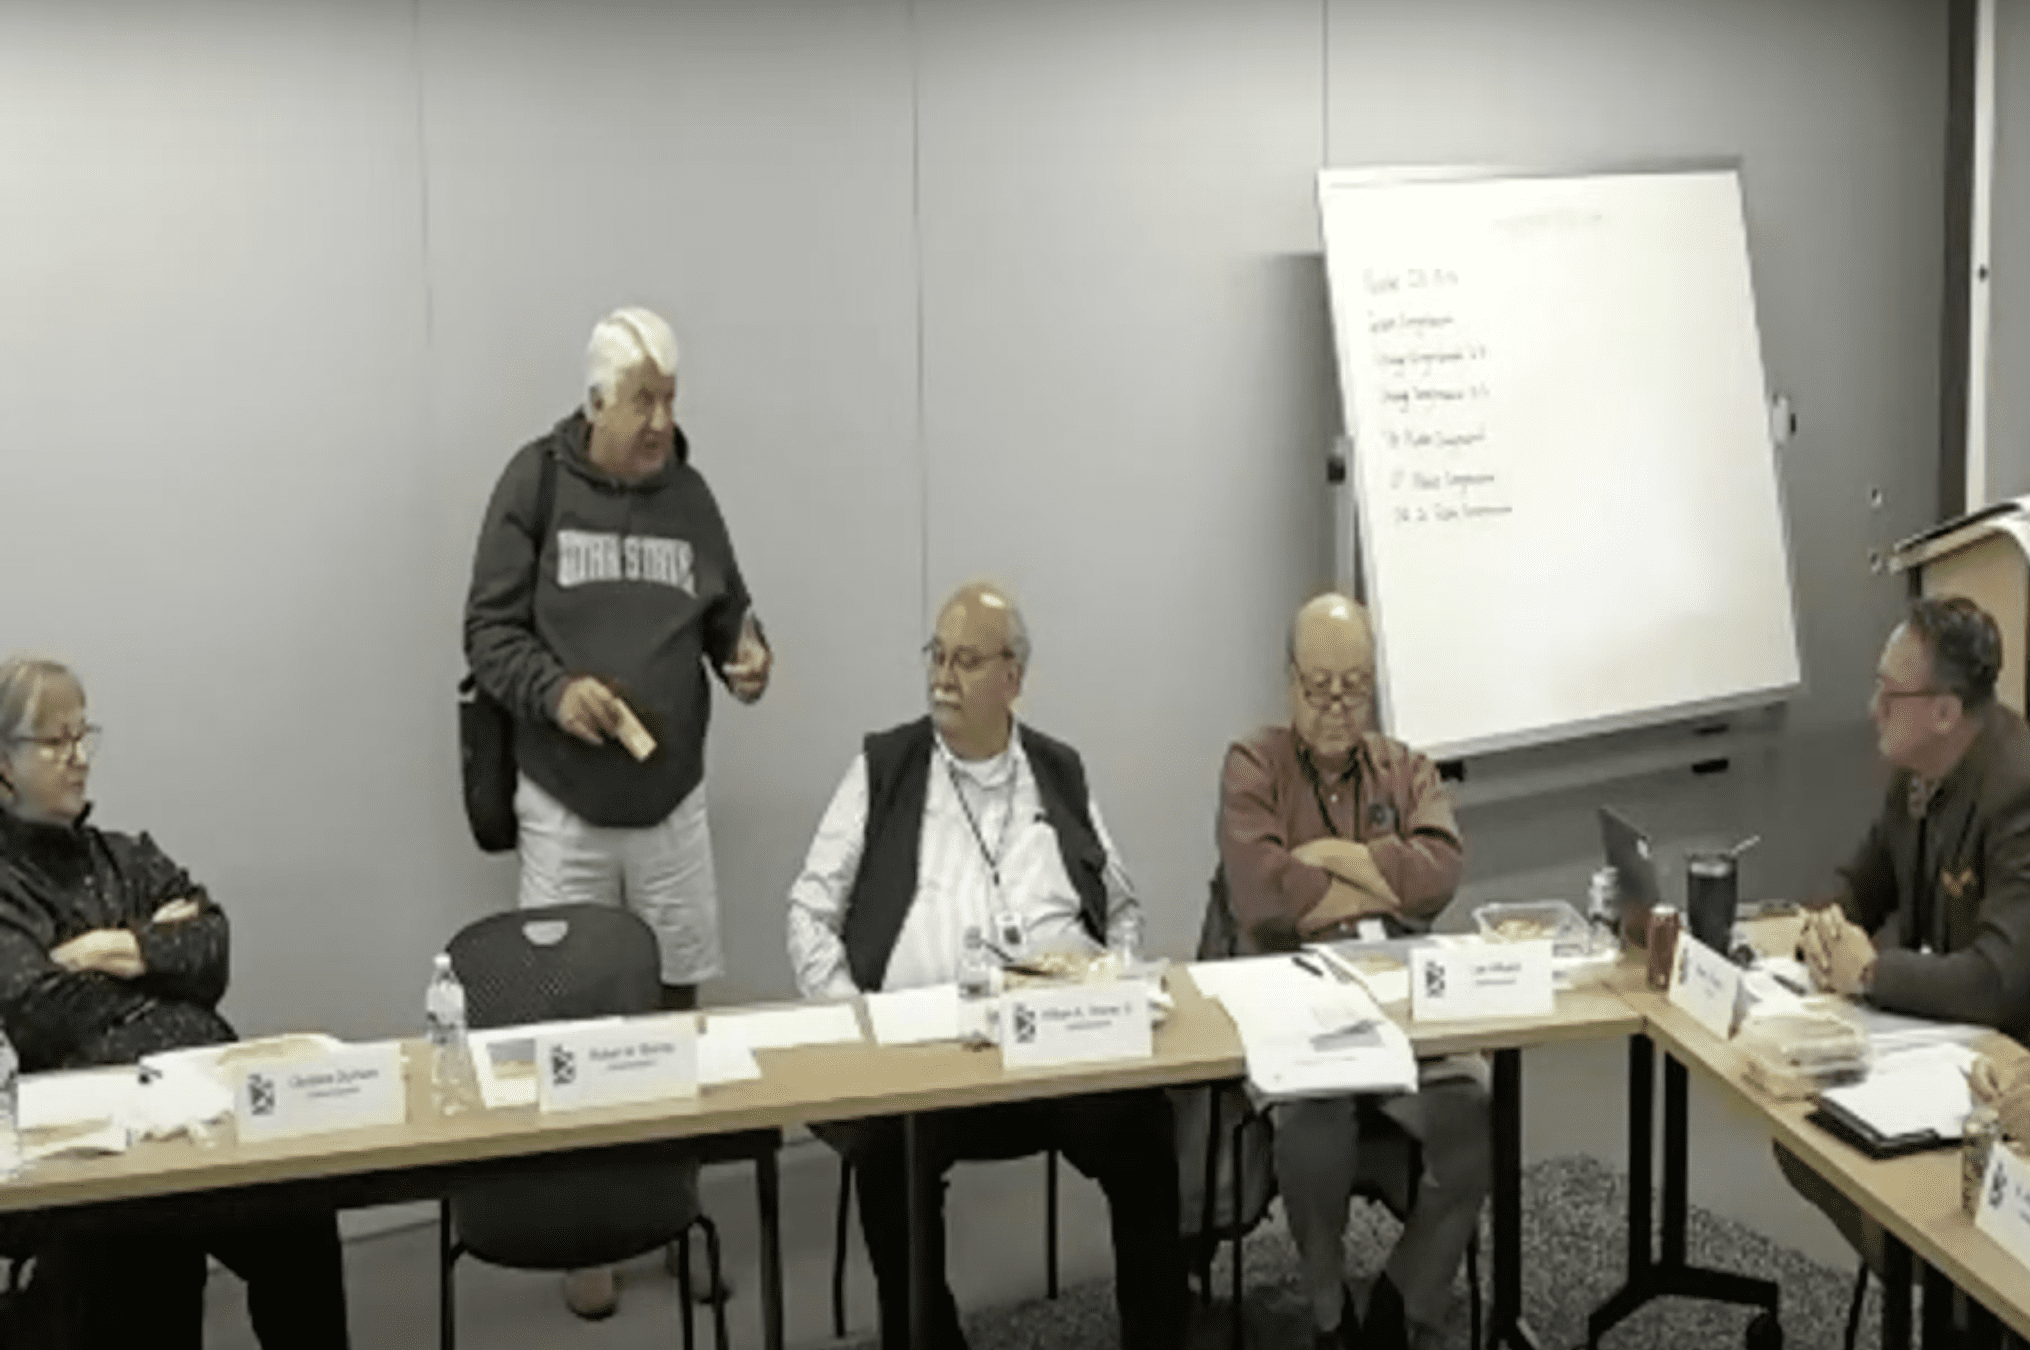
column 453, row 1088
column 11, row 1160
column 976, row 990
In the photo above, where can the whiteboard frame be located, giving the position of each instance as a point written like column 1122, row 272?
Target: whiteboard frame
column 1598, row 726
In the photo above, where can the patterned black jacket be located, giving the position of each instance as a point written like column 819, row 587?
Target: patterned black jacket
column 58, row 882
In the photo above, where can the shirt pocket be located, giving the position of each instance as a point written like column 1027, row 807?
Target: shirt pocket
column 1379, row 819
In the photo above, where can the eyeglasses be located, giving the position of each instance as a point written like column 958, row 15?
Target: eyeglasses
column 964, row 660
column 1321, row 688
column 70, row 745
column 1887, row 695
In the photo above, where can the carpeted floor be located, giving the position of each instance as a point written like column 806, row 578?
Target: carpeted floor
column 1574, row 1235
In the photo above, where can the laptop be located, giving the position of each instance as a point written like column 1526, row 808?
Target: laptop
column 1628, row 853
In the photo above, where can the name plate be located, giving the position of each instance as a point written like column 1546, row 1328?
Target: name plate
column 2004, row 1212
column 1481, row 979
column 1705, row 984
column 1075, row 1024
column 345, row 1089
column 616, row 1063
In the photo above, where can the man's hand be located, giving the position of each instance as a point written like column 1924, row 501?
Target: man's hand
column 747, row 673
column 589, row 710
column 1351, row 863
column 1838, row 951
column 1342, row 904
column 176, row 911
column 112, row 951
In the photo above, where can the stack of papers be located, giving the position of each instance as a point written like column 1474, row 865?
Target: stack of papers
column 80, row 1112
column 1910, row 1095
column 1308, row 1034
column 1890, row 1032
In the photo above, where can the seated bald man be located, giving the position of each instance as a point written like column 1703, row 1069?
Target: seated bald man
column 1323, row 824
column 1933, row 916
column 964, row 818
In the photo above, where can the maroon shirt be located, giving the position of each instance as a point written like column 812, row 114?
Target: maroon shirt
column 1389, row 798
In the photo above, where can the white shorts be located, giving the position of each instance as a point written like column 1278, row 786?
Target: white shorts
column 663, row 872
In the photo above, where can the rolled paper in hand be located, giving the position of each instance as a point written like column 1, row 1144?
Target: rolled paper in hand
column 633, row 734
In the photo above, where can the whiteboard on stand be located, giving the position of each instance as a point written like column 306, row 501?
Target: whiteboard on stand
column 1567, row 495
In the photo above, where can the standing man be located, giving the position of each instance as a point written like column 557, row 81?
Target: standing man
column 1933, row 916
column 1325, row 825
column 966, row 819
column 593, row 624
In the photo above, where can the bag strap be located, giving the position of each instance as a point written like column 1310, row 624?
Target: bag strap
column 546, row 496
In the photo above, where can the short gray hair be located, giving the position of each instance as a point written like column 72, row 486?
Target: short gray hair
column 23, row 681
column 1018, row 631
column 620, row 342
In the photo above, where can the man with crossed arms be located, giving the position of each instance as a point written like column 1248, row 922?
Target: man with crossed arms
column 1325, row 824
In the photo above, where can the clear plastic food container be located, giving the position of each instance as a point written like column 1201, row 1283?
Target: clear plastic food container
column 1796, row 1055
column 1535, row 921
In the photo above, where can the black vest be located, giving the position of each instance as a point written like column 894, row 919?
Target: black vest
column 898, row 781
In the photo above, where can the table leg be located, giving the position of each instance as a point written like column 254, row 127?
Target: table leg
column 1649, row 1279
column 1506, row 1325
column 768, row 1198
column 1209, row 1197
column 1896, row 1276
column 1239, row 1191
column 918, row 1199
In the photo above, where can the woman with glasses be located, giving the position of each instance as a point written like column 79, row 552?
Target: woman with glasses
column 108, row 952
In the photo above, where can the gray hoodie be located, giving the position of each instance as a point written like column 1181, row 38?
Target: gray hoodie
column 632, row 582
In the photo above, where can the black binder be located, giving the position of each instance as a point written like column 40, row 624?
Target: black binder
column 1839, row 1121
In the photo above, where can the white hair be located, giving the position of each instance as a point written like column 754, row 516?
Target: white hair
column 23, row 681
column 620, row 342
column 1018, row 633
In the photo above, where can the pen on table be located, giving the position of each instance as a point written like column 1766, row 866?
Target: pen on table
column 1307, row 964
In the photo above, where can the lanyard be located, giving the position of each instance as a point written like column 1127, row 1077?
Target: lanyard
column 1318, row 792
column 991, row 857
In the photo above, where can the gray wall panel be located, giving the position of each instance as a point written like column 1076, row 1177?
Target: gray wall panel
column 1126, row 389
column 2009, row 297
column 213, row 339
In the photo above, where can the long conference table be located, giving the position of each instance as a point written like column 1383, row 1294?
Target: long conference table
column 1916, row 1198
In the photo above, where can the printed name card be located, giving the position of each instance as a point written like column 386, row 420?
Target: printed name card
column 616, row 1063
column 344, row 1089
column 1075, row 1024
column 1705, row 984
column 1480, row 979
column 2004, row 1212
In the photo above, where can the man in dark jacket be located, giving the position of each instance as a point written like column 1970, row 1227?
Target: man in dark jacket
column 108, row 952
column 603, row 582
column 1933, row 916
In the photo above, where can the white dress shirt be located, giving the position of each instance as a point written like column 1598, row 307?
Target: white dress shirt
column 955, row 885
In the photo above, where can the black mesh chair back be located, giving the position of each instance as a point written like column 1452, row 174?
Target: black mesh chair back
column 562, row 961
column 539, row 965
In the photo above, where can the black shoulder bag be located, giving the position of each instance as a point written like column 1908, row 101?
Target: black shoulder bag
column 486, row 729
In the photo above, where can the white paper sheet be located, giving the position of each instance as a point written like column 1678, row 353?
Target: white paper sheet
column 1912, row 1091
column 57, row 1100
column 1246, row 976
column 914, row 1016
column 725, row 1059
column 783, row 1028
column 1889, row 1032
